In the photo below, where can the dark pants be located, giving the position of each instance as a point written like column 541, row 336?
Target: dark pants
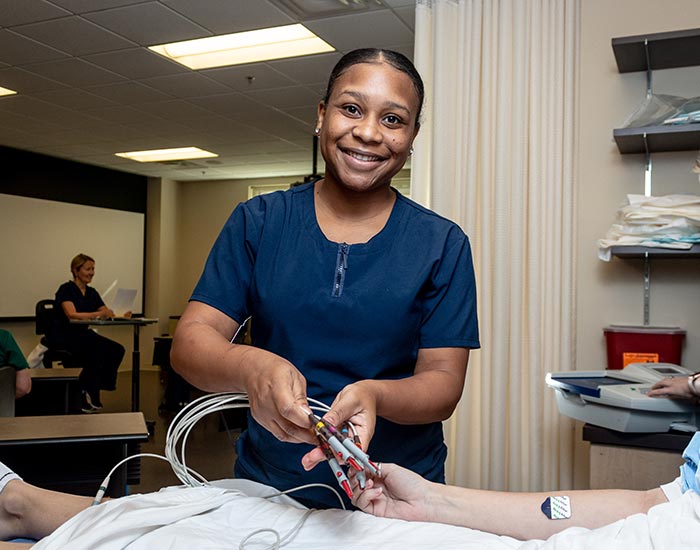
column 99, row 357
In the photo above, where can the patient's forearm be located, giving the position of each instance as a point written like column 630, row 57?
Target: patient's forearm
column 519, row 515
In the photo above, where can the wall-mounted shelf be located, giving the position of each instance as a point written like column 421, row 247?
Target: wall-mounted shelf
column 648, row 52
column 643, row 252
column 658, row 138
column 666, row 50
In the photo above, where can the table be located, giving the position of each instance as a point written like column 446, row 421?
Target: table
column 640, row 461
column 74, row 453
column 54, row 391
column 137, row 323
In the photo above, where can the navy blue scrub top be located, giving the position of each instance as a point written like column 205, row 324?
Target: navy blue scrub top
column 342, row 313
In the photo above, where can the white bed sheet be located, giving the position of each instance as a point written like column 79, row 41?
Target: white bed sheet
column 222, row 516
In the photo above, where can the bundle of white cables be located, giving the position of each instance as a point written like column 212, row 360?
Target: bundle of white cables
column 176, row 442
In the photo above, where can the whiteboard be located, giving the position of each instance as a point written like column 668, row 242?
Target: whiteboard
column 39, row 238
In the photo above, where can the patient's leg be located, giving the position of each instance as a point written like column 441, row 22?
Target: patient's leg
column 32, row 512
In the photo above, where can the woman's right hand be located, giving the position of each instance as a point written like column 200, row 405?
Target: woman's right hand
column 277, row 397
column 203, row 354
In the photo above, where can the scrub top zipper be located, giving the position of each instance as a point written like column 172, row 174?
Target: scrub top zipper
column 341, row 267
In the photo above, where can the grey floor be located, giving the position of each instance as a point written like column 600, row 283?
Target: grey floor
column 210, row 448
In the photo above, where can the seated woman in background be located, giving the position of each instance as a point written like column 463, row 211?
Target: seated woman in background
column 99, row 357
column 11, row 355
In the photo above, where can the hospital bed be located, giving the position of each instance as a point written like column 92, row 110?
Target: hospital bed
column 233, row 514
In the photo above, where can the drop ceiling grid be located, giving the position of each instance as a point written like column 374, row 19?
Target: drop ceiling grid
column 88, row 86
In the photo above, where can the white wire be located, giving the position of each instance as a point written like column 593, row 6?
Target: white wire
column 176, row 437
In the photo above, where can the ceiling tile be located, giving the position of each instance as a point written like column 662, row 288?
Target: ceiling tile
column 239, row 77
column 228, row 16
column 74, row 35
column 148, row 24
column 379, row 29
column 231, row 104
column 129, row 93
column 408, row 16
column 17, row 12
column 28, row 106
column 303, row 114
column 136, row 63
column 26, row 124
column 120, row 114
column 75, row 72
column 174, row 109
column 68, row 151
column 307, row 70
column 74, row 98
column 82, row 6
column 189, row 84
column 399, row 3
column 157, row 126
column 25, row 82
column 19, row 50
column 314, row 9
column 281, row 98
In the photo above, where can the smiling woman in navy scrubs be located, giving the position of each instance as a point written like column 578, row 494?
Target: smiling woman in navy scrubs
column 359, row 297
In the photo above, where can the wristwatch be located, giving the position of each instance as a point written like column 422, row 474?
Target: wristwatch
column 691, row 383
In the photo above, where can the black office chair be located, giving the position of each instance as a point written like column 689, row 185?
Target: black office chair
column 45, row 317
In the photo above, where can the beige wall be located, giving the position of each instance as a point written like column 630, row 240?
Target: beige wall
column 204, row 207
column 612, row 292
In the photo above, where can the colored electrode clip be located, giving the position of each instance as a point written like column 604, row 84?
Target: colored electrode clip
column 338, row 472
column 344, row 454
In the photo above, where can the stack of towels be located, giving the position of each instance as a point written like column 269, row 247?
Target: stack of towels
column 670, row 221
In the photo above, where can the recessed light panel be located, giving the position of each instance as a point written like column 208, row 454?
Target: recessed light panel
column 160, row 155
column 245, row 47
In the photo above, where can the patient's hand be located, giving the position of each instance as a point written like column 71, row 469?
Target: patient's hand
column 398, row 493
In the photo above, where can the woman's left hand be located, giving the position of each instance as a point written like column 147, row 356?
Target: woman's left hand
column 355, row 403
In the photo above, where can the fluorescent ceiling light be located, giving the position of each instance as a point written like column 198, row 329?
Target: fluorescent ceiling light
column 6, row 91
column 245, row 47
column 160, row 155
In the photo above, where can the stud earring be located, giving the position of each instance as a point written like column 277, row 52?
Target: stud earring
column 410, row 152
column 317, row 132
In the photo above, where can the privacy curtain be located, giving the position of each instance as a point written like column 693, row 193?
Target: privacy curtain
column 496, row 155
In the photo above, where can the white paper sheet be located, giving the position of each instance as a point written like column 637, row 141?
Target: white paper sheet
column 123, row 301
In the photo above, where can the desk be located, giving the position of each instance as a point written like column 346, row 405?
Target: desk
column 74, row 453
column 633, row 460
column 54, row 391
column 137, row 323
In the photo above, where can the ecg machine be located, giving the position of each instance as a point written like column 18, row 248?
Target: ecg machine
column 617, row 399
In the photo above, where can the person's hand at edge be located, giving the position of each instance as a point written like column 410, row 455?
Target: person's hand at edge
column 675, row 388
